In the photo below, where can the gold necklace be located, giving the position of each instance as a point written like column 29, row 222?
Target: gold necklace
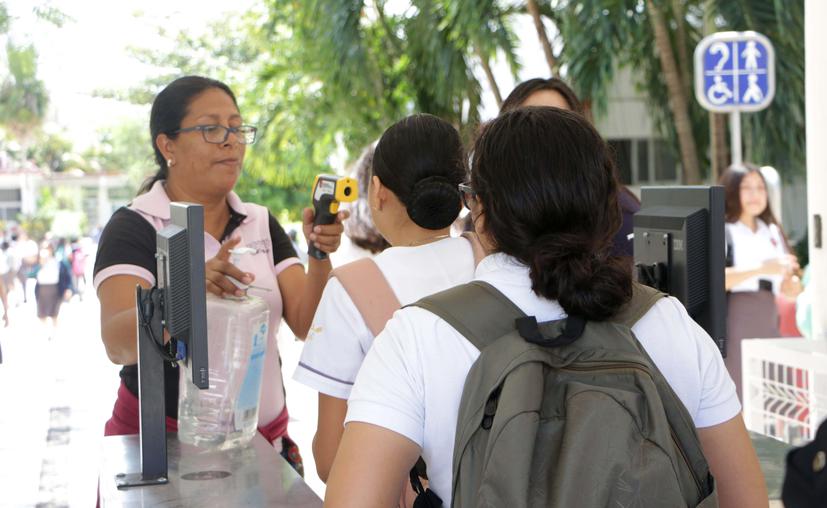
column 429, row 239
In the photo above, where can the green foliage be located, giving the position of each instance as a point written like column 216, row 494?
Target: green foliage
column 776, row 135
column 5, row 20
column 50, row 203
column 23, row 97
column 50, row 151
column 123, row 147
column 51, row 14
column 321, row 76
column 601, row 35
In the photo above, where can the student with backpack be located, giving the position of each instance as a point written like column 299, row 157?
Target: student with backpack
column 597, row 405
column 413, row 194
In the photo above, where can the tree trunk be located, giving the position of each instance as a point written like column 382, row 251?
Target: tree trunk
column 681, row 40
column 677, row 98
column 486, row 67
column 718, row 143
column 534, row 10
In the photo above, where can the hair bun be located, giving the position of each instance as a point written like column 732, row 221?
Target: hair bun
column 434, row 203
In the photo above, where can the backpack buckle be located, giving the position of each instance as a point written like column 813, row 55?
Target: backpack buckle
column 529, row 330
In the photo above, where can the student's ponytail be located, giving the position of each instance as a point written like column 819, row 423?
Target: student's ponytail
column 548, row 191
column 421, row 160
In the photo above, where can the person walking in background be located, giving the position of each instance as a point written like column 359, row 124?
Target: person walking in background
column 760, row 264
column 554, row 92
column 25, row 253
column 54, row 285
column 4, row 300
column 78, row 263
column 7, row 275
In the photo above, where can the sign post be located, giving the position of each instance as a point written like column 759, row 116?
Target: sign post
column 734, row 72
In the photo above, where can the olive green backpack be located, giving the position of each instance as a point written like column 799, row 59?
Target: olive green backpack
column 567, row 413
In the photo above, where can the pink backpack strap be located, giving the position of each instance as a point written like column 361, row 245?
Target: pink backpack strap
column 370, row 292
column 476, row 246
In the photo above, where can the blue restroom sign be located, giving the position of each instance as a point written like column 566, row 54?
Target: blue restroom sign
column 734, row 71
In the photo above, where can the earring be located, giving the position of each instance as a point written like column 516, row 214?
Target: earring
column 170, row 163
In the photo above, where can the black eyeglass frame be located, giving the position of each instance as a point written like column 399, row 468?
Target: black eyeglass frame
column 243, row 129
column 466, row 190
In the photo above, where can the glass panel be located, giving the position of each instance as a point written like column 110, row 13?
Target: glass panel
column 642, row 161
column 665, row 163
column 622, row 149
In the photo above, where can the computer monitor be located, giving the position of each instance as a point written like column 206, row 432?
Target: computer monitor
column 180, row 253
column 679, row 248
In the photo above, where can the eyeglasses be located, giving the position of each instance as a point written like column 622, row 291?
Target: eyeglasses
column 218, row 134
column 467, row 193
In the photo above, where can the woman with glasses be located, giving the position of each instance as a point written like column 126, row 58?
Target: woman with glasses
column 417, row 165
column 548, row 245
column 199, row 139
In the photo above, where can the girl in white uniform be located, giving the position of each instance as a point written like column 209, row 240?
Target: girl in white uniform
column 417, row 166
column 759, row 264
column 543, row 197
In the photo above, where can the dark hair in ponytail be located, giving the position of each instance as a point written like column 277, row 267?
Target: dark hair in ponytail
column 549, row 189
column 168, row 109
column 421, row 160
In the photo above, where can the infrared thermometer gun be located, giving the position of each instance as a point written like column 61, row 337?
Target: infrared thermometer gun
column 328, row 192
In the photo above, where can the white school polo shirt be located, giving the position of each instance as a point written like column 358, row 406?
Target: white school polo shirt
column 412, row 378
column 750, row 249
column 339, row 338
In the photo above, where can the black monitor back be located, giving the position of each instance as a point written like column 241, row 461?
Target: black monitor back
column 680, row 241
column 181, row 276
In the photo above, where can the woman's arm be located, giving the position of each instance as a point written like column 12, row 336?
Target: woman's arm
column 118, row 320
column 734, row 464
column 331, row 426
column 780, row 266
column 301, row 292
column 370, row 468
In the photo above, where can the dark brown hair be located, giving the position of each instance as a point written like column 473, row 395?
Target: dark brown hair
column 731, row 180
column 548, row 189
column 420, row 159
column 170, row 106
column 524, row 90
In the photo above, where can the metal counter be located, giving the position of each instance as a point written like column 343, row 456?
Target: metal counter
column 772, row 455
column 255, row 475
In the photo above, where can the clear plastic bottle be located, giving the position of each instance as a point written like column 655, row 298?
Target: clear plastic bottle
column 226, row 415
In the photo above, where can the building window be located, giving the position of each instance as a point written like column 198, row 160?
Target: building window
column 14, row 195
column 666, row 167
column 644, row 162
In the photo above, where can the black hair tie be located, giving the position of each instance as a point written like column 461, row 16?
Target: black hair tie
column 529, row 330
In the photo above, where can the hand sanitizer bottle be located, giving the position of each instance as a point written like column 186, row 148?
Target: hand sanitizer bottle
column 226, row 415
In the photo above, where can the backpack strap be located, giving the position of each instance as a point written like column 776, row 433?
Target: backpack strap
column 685, row 434
column 370, row 292
column 643, row 299
column 477, row 310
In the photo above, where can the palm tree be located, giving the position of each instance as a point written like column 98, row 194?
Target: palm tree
column 676, row 85
column 536, row 16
